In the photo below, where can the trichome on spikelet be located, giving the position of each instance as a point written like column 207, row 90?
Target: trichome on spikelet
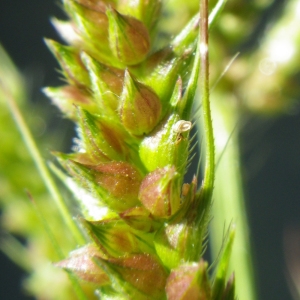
column 132, row 105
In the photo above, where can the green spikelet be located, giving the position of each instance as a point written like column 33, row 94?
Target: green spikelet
column 132, row 105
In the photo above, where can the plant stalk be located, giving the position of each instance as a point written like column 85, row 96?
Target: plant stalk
column 209, row 172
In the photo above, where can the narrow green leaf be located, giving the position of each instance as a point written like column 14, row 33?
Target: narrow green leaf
column 42, row 168
column 219, row 285
column 216, row 12
column 17, row 252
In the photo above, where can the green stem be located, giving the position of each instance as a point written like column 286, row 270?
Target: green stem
column 209, row 172
column 41, row 166
column 227, row 207
column 189, row 95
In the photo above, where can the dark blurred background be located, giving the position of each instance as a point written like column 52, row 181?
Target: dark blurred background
column 270, row 152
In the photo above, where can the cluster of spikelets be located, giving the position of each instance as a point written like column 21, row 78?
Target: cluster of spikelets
column 132, row 104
